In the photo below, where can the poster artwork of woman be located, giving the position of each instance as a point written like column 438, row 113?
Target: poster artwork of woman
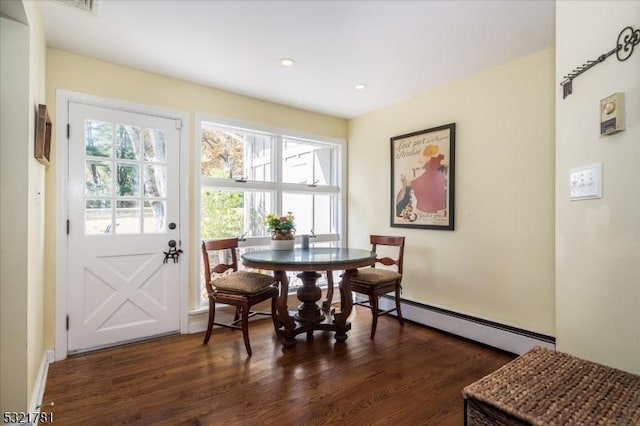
column 428, row 188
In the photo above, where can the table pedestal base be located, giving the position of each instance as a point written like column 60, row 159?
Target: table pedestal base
column 309, row 294
column 310, row 316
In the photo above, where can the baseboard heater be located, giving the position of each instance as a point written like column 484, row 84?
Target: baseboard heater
column 501, row 336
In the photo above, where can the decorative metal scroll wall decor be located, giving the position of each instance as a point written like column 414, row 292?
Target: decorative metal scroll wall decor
column 627, row 40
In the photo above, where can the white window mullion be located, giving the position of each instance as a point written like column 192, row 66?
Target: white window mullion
column 276, row 160
column 239, row 186
column 301, row 188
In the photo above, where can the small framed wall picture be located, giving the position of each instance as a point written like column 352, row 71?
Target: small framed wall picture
column 42, row 149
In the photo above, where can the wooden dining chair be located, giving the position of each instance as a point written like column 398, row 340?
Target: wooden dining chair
column 241, row 289
column 374, row 282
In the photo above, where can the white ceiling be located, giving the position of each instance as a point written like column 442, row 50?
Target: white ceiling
column 397, row 48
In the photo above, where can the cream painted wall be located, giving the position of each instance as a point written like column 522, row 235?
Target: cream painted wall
column 36, row 202
column 14, row 129
column 498, row 264
column 82, row 74
column 21, row 211
column 598, row 241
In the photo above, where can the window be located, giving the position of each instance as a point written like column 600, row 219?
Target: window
column 125, row 179
column 246, row 174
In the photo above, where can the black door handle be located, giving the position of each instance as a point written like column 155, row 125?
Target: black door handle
column 173, row 253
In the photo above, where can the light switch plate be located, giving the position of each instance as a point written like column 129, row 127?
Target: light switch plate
column 585, row 182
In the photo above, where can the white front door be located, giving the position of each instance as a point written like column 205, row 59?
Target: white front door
column 124, row 192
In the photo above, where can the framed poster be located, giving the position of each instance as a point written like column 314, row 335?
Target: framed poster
column 422, row 178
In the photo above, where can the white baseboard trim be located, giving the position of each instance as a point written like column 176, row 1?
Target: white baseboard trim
column 507, row 338
column 35, row 404
column 198, row 323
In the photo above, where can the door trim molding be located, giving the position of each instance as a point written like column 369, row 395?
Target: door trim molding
column 63, row 99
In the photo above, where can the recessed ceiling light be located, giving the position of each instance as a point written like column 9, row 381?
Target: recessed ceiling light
column 360, row 86
column 287, row 62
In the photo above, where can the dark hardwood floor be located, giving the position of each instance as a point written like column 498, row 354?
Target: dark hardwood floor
column 406, row 376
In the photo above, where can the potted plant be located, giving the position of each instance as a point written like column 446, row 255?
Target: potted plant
column 282, row 230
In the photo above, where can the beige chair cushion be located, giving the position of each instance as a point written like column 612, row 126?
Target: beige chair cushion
column 242, row 282
column 374, row 276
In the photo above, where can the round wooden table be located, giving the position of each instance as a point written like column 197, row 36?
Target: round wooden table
column 310, row 316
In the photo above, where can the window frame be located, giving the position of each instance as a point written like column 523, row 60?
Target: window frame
column 276, row 185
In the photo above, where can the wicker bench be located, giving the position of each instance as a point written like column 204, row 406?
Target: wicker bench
column 545, row 387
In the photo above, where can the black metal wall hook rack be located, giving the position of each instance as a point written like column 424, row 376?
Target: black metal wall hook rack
column 627, row 40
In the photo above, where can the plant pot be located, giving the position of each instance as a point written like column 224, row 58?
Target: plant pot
column 282, row 241
column 282, row 244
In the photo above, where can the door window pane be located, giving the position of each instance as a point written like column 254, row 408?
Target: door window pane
column 155, row 181
column 128, row 180
column 235, row 154
column 155, row 145
column 97, row 178
column 98, row 138
column 127, row 217
column 127, row 142
column 154, row 219
column 97, row 217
